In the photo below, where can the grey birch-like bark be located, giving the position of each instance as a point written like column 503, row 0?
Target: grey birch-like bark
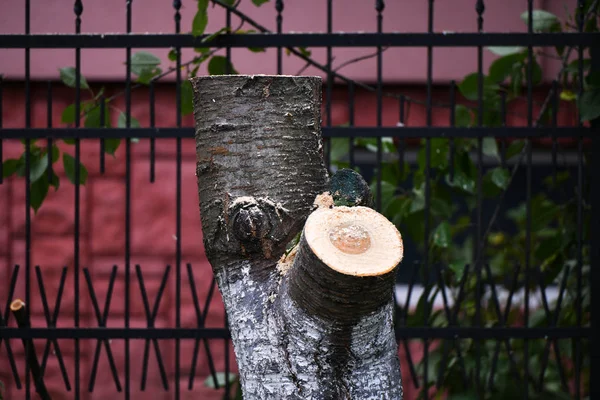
column 305, row 332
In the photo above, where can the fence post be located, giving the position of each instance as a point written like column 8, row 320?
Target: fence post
column 595, row 247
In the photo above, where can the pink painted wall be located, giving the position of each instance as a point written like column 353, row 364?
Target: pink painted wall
column 400, row 64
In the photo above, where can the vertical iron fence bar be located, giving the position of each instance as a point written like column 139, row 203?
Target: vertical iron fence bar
column 1, row 162
column 78, row 10
column 225, row 322
column 102, row 145
column 27, row 192
column 528, row 195
column 401, row 142
column 128, row 4
column 379, row 6
column 578, row 301
column 595, row 245
column 152, row 125
column 329, row 83
column 480, row 9
column 452, row 124
column 49, row 125
column 503, row 122
column 554, row 125
column 429, row 121
column 228, row 48
column 177, row 6
column 279, row 20
column 351, row 94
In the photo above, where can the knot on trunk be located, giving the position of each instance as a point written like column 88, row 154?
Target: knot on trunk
column 261, row 226
column 250, row 224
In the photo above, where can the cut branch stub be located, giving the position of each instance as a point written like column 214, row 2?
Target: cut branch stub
column 345, row 265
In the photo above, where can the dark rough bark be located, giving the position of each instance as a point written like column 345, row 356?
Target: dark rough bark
column 259, row 169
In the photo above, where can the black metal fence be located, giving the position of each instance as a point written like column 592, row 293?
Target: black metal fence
column 471, row 344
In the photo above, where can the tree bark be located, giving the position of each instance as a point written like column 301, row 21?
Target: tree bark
column 315, row 322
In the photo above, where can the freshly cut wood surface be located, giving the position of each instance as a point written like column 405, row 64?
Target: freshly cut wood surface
column 354, row 240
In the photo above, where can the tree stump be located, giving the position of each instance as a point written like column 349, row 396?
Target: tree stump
column 314, row 321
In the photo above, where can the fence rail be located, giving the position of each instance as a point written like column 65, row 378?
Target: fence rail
column 316, row 40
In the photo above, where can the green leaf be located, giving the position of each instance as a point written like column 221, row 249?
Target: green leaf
column 92, row 119
column 543, row 211
column 537, row 72
column 413, row 225
column 111, row 145
column 387, row 192
column 470, row 84
column 500, row 177
column 187, row 94
column 339, row 148
column 503, row 67
column 516, row 79
column 146, row 75
column 67, row 76
column 573, row 66
column 218, row 65
column 39, row 165
column 396, row 207
column 38, row 192
column 10, row 167
column 423, row 310
column 458, row 267
column 55, row 154
column 505, row 50
column 391, row 172
column 172, row 54
column 442, row 236
column 221, row 379
column 490, row 147
column 589, row 105
column 543, row 21
column 143, row 62
column 462, row 116
column 122, row 121
column 592, row 80
column 214, row 35
column 465, row 174
column 439, row 154
column 259, row 3
column 68, row 114
column 55, row 181
column 547, row 247
column 441, row 207
column 518, row 213
column 494, row 181
column 200, row 19
column 69, row 165
column 514, row 149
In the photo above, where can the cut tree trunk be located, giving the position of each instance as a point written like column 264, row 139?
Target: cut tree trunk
column 314, row 321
